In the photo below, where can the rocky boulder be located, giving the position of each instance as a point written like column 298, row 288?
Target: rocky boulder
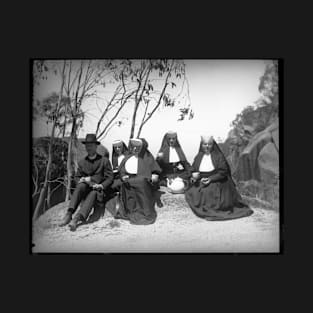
column 268, row 162
column 275, row 135
column 252, row 164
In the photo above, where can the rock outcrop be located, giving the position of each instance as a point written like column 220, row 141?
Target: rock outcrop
column 260, row 157
column 268, row 162
column 254, row 161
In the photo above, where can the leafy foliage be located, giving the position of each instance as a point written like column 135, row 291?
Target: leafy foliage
column 40, row 158
column 149, row 84
column 269, row 85
column 255, row 118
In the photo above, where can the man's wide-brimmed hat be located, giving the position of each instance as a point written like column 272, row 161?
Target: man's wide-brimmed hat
column 91, row 138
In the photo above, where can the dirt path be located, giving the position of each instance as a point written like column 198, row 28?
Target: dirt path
column 176, row 229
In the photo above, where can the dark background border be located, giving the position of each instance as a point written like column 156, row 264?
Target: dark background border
column 256, row 34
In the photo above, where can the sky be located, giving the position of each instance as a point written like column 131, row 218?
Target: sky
column 219, row 90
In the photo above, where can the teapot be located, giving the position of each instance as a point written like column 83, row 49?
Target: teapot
column 177, row 185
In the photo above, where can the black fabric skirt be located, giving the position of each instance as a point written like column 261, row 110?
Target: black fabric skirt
column 135, row 201
column 216, row 201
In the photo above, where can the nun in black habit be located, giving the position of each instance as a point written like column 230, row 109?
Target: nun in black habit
column 213, row 194
column 137, row 175
column 119, row 151
column 172, row 160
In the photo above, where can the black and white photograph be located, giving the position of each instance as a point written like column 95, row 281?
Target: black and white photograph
column 155, row 156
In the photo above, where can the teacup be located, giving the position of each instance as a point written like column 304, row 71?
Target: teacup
column 196, row 175
column 160, row 155
column 154, row 177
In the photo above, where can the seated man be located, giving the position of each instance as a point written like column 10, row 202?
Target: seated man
column 94, row 175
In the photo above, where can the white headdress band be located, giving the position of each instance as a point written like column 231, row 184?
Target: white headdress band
column 136, row 141
column 206, row 138
column 117, row 142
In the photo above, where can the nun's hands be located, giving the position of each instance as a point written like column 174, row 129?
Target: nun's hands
column 205, row 181
column 170, row 180
column 180, row 167
column 125, row 178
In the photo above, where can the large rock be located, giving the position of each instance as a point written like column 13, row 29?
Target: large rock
column 275, row 135
column 268, row 161
column 249, row 130
column 255, row 193
column 248, row 166
column 273, row 126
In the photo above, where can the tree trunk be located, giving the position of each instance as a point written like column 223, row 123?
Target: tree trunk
column 144, row 121
column 43, row 191
column 40, row 202
column 132, row 131
column 69, row 161
column 49, row 196
column 72, row 136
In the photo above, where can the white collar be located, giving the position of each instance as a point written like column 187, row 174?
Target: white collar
column 93, row 157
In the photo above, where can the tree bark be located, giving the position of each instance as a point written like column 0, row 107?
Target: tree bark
column 138, row 100
column 144, row 121
column 43, row 191
column 69, row 161
column 72, row 137
column 132, row 131
column 48, row 196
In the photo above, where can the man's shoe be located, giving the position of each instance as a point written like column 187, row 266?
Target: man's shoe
column 74, row 222
column 66, row 219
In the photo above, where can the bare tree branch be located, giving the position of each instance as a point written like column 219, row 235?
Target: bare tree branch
column 159, row 101
column 109, row 105
column 143, row 118
column 116, row 114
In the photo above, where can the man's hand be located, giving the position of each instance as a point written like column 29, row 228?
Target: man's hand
column 97, row 187
column 85, row 180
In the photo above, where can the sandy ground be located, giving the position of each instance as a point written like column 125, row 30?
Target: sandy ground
column 176, row 230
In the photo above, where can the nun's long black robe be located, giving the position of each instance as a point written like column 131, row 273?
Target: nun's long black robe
column 115, row 156
column 136, row 201
column 219, row 200
column 171, row 170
